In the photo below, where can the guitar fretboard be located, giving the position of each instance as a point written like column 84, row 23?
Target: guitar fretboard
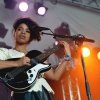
column 47, row 53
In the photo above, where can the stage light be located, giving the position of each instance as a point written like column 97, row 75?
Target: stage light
column 41, row 11
column 10, row 4
column 39, row 8
column 23, row 6
column 98, row 55
column 85, row 52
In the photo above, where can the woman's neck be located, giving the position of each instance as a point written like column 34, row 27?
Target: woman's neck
column 21, row 48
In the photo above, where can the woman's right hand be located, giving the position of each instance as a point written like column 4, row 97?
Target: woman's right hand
column 23, row 61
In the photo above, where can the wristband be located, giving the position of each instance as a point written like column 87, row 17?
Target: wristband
column 67, row 57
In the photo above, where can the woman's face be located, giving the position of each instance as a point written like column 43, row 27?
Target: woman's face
column 22, row 34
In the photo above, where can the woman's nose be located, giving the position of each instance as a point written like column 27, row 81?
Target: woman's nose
column 23, row 32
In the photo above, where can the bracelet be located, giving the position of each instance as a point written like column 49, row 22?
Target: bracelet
column 67, row 58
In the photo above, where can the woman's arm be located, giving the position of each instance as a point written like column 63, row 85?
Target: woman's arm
column 18, row 63
column 58, row 72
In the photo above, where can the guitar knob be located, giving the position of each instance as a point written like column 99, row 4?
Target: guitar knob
column 29, row 71
column 31, row 75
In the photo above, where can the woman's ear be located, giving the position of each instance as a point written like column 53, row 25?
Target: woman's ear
column 14, row 35
column 13, row 32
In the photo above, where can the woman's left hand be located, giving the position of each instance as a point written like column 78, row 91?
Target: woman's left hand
column 66, row 47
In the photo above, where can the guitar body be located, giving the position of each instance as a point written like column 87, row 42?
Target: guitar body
column 20, row 80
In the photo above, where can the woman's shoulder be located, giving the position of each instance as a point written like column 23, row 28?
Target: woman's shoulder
column 6, row 50
column 3, row 49
column 3, row 53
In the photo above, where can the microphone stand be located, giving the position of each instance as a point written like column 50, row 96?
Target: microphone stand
column 79, row 39
column 84, row 71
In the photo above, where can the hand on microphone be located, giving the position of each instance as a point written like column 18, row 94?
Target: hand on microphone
column 67, row 56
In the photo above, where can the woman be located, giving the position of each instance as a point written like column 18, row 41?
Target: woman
column 26, row 30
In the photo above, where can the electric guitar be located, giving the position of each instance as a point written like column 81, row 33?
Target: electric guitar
column 21, row 79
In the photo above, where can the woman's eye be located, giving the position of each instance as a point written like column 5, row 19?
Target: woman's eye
column 18, row 29
column 28, row 31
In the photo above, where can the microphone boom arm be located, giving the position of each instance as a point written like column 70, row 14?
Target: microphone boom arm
column 78, row 37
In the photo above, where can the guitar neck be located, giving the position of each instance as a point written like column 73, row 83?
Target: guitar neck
column 46, row 54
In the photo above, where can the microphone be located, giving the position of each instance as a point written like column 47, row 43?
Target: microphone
column 42, row 28
column 80, row 37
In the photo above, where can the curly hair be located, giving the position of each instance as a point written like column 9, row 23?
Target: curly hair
column 32, row 25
